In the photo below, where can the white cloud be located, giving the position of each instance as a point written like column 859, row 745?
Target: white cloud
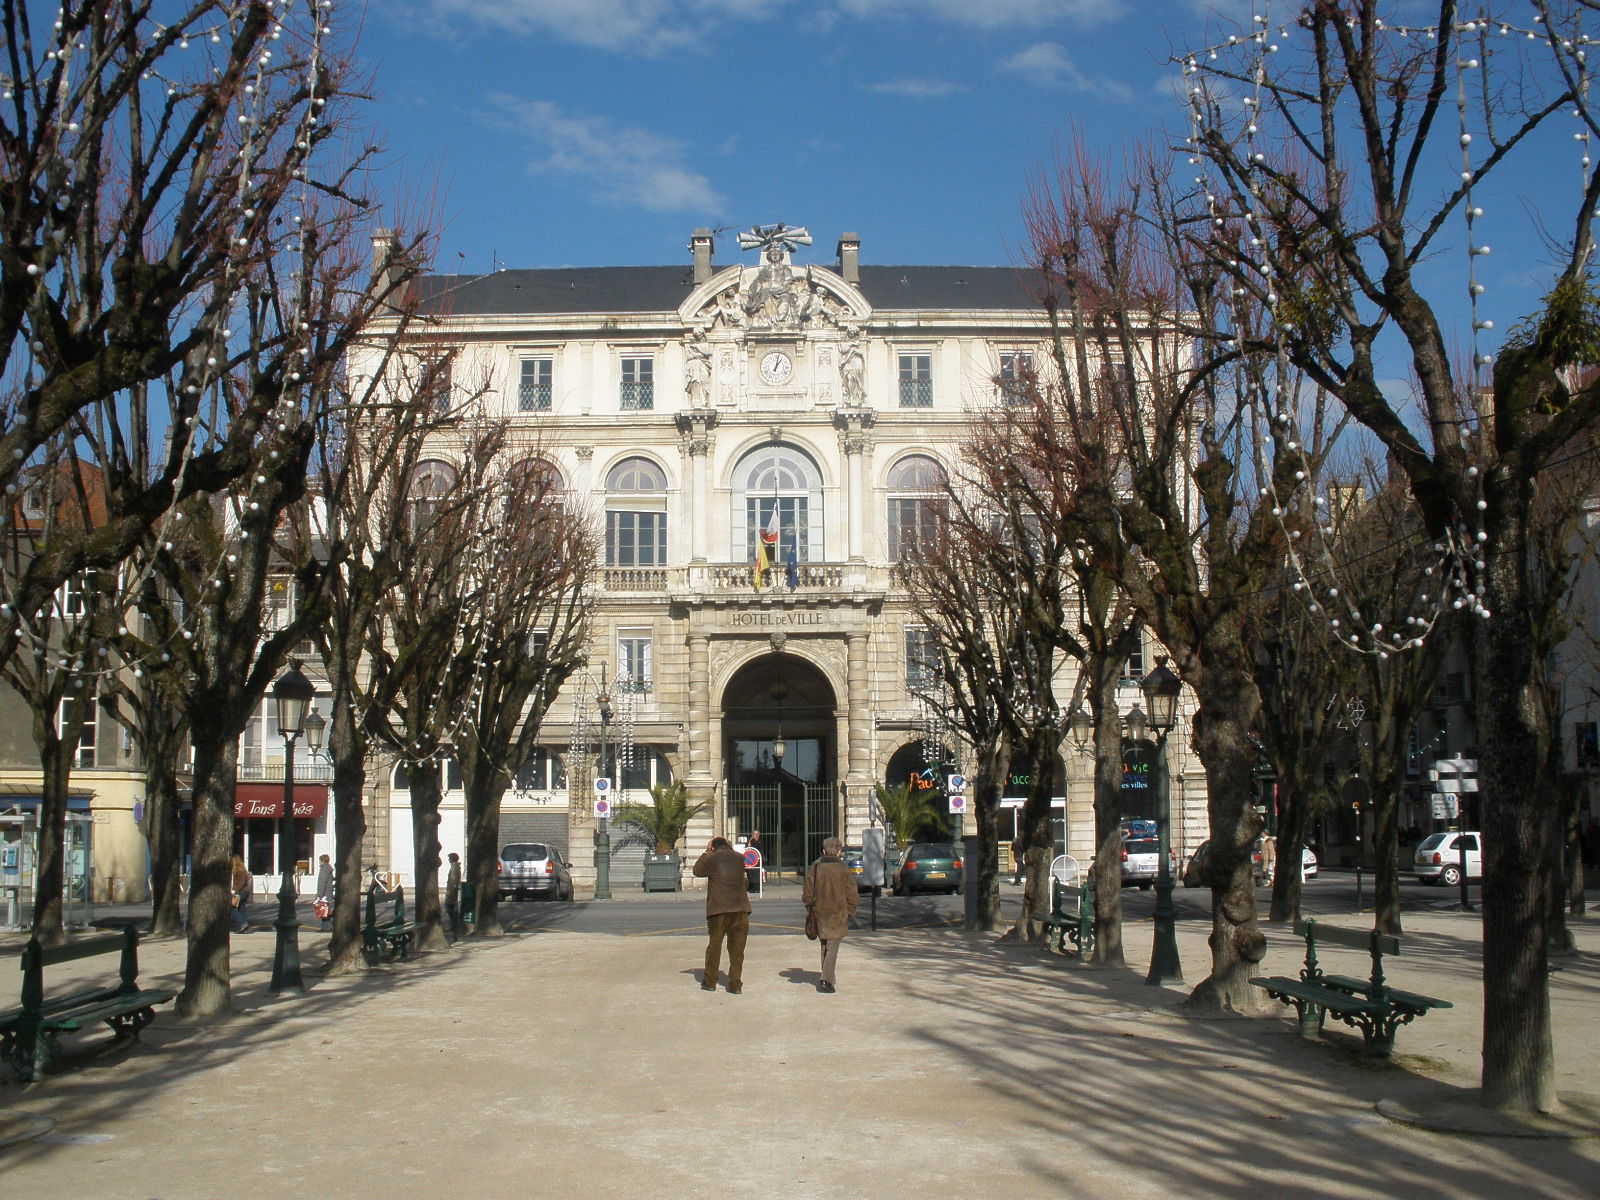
column 624, row 167
column 992, row 14
column 916, row 89
column 665, row 26
column 1046, row 65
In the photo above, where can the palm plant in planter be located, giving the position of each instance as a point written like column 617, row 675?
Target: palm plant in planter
column 664, row 821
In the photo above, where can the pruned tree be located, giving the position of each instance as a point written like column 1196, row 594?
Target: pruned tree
column 1180, row 479
column 1340, row 159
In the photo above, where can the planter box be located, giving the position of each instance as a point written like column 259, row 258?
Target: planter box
column 663, row 873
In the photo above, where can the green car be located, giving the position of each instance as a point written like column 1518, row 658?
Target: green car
column 929, row 867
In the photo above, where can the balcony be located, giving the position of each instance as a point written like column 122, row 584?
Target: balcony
column 716, row 578
column 316, row 771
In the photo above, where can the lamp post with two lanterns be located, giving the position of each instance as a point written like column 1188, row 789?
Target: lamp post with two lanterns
column 293, row 694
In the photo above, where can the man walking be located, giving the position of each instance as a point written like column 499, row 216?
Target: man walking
column 830, row 895
column 727, row 912
column 452, row 897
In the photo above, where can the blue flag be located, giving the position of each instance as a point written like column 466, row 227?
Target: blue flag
column 794, row 569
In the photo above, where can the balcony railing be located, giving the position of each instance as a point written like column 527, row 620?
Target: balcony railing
column 318, row 770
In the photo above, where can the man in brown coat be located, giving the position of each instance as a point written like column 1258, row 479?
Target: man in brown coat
column 830, row 894
column 727, row 912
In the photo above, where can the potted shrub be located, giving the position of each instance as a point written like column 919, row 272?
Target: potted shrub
column 664, row 822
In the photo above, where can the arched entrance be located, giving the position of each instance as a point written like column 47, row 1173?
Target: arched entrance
column 780, row 732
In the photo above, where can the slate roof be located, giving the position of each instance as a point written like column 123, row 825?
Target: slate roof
column 663, row 289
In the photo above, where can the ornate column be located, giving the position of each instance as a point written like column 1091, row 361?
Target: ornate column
column 858, row 776
column 853, row 424
column 699, row 780
column 694, row 429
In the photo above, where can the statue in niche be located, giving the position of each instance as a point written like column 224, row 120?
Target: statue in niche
column 697, row 373
column 852, row 374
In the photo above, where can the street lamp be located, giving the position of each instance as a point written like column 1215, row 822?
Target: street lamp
column 1081, row 726
column 1161, row 688
column 293, row 692
column 602, row 837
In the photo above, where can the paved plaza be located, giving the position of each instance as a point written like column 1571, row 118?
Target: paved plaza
column 556, row 1063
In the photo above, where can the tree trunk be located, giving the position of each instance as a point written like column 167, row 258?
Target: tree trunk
column 992, row 767
column 483, row 846
column 1518, row 818
column 54, row 761
column 207, row 983
column 1221, row 739
column 162, row 827
column 425, row 795
column 1108, row 945
column 1386, row 784
column 348, row 749
column 1294, row 821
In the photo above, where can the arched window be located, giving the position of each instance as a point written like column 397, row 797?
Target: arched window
column 777, row 479
column 636, row 514
column 916, row 504
column 431, row 482
column 533, row 481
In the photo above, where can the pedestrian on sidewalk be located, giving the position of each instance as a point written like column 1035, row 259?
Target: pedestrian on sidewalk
column 324, row 905
column 753, row 874
column 1019, row 853
column 452, row 896
column 241, row 885
column 727, row 912
column 831, row 896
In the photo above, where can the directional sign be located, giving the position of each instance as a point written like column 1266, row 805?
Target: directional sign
column 956, row 784
column 958, row 803
column 1444, row 806
column 602, row 807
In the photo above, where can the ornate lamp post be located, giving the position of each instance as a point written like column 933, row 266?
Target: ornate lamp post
column 602, row 836
column 1161, row 688
column 293, row 693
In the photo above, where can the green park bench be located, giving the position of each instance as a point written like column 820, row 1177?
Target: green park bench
column 393, row 935
column 29, row 1034
column 1071, row 919
column 1370, row 1004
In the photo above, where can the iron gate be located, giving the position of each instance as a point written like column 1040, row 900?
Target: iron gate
column 793, row 818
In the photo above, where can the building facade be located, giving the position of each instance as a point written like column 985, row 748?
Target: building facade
column 761, row 441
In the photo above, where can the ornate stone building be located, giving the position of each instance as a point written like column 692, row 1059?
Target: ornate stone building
column 717, row 417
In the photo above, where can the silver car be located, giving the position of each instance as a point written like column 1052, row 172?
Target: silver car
column 533, row 869
column 1141, row 862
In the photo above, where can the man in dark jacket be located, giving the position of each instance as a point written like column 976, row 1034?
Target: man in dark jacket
column 830, row 895
column 727, row 912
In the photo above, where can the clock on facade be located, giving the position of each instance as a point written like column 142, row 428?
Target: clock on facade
column 776, row 367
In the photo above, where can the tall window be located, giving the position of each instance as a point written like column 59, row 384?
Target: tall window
column 634, row 658
column 533, row 388
column 636, row 517
column 647, row 768
column 77, row 593
column 81, row 708
column 916, row 505
column 1016, row 376
column 436, row 379
column 778, row 479
column 544, row 772
column 638, row 384
column 922, row 659
column 1134, row 667
column 916, row 379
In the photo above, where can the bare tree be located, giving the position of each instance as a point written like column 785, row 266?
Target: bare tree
column 1361, row 154
column 1180, row 482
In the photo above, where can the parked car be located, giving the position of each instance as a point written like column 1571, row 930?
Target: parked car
column 533, row 869
column 1437, row 858
column 929, row 867
column 855, row 859
column 1141, row 860
column 1308, row 864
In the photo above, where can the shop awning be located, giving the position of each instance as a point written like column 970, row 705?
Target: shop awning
column 266, row 800
column 76, row 801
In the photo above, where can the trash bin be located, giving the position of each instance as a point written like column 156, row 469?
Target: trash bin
column 663, row 873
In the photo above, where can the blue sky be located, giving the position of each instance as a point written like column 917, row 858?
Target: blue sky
column 602, row 132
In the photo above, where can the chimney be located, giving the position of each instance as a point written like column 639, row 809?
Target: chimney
column 703, row 246
column 850, row 257
column 383, row 249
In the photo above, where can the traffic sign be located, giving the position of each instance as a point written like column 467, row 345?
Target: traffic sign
column 602, row 807
column 602, row 786
column 1445, row 806
column 958, row 803
column 956, row 784
column 752, row 857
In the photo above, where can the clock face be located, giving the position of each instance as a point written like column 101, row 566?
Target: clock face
column 776, row 367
